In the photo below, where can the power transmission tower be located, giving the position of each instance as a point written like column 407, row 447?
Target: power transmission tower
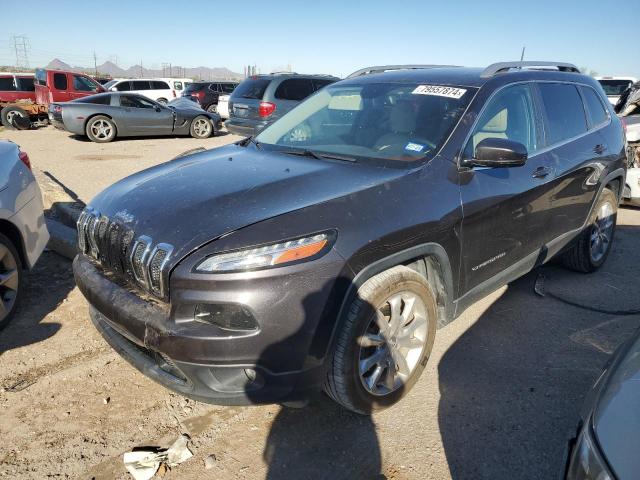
column 164, row 69
column 95, row 63
column 21, row 46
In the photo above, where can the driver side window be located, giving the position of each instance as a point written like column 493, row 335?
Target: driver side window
column 135, row 102
column 509, row 115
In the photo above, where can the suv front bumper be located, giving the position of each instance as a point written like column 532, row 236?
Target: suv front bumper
column 192, row 359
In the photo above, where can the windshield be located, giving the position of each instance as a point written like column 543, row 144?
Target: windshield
column 615, row 87
column 384, row 121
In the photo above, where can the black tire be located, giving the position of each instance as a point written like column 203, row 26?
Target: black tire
column 582, row 255
column 8, row 112
column 344, row 382
column 96, row 129
column 213, row 108
column 163, row 101
column 10, row 285
column 199, row 128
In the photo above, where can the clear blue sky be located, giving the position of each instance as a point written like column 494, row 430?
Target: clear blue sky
column 328, row 36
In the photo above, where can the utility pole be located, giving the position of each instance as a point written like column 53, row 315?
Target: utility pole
column 21, row 47
column 522, row 55
column 95, row 62
column 141, row 68
column 170, row 71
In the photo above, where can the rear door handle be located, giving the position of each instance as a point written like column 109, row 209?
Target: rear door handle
column 600, row 149
column 541, row 172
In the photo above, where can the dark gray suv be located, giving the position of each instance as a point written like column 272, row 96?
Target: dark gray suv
column 325, row 252
column 261, row 99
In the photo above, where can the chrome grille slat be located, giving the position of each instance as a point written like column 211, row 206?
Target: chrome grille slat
column 114, row 245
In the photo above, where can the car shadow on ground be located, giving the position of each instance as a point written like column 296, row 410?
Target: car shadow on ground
column 322, row 440
column 46, row 287
column 513, row 384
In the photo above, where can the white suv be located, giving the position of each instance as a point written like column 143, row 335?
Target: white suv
column 155, row 89
column 614, row 86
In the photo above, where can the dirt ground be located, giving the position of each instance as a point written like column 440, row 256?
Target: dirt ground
column 499, row 398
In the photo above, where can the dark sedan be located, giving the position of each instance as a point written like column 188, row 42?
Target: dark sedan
column 106, row 116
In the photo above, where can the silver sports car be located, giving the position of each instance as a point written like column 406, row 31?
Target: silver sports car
column 105, row 116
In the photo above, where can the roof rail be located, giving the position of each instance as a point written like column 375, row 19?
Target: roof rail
column 386, row 68
column 283, row 72
column 503, row 67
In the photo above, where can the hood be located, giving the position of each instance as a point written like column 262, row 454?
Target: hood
column 192, row 200
column 617, row 415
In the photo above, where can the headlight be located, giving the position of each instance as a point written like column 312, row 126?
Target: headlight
column 273, row 255
column 586, row 461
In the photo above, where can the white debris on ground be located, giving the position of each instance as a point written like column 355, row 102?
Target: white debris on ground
column 143, row 464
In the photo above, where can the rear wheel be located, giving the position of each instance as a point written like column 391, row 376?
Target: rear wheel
column 10, row 280
column 201, row 127
column 592, row 248
column 213, row 108
column 10, row 113
column 101, row 129
column 385, row 342
column 163, row 101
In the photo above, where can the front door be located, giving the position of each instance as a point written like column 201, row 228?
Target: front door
column 145, row 117
column 505, row 210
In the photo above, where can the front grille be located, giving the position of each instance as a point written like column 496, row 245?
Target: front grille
column 115, row 247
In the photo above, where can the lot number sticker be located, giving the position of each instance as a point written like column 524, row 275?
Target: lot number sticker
column 438, row 91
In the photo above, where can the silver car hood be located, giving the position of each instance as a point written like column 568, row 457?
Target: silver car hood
column 617, row 414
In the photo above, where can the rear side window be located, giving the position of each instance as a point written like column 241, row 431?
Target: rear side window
column 228, row 87
column 60, row 81
column 252, row 88
column 96, row 99
column 321, row 83
column 6, row 84
column 615, row 87
column 25, row 84
column 595, row 109
column 140, row 85
column 157, row 85
column 565, row 113
column 294, row 89
column 123, row 86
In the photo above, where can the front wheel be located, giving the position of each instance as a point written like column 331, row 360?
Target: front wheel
column 594, row 244
column 385, row 342
column 213, row 108
column 100, row 129
column 201, row 127
column 163, row 101
column 10, row 280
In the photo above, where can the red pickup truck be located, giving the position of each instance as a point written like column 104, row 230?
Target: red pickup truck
column 26, row 97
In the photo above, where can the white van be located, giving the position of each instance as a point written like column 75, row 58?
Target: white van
column 153, row 88
column 177, row 84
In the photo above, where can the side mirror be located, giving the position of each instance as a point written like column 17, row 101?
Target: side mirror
column 113, row 89
column 499, row 152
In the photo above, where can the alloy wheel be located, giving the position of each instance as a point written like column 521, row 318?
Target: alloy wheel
column 392, row 345
column 202, row 127
column 601, row 232
column 101, row 129
column 9, row 281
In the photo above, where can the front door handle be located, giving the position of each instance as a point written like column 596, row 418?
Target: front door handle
column 600, row 149
column 541, row 172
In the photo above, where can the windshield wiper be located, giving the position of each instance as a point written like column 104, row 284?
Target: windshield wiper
column 319, row 156
column 246, row 141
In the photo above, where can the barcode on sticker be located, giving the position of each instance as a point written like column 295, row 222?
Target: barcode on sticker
column 439, row 91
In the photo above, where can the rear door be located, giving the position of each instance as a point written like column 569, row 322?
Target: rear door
column 574, row 150
column 142, row 116
column 506, row 210
column 161, row 90
column 59, row 86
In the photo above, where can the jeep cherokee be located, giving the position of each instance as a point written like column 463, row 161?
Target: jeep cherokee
column 325, row 252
